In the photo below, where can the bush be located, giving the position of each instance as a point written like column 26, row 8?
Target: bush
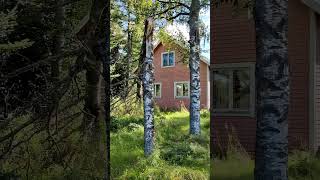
column 118, row 123
column 303, row 166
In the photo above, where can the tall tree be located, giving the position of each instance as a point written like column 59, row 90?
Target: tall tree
column 194, row 66
column 148, row 78
column 272, row 85
column 183, row 11
column 58, row 39
column 106, row 75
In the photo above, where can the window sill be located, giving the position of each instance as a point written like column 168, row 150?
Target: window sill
column 234, row 114
column 167, row 66
column 183, row 97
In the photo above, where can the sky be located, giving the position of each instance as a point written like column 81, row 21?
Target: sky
column 205, row 17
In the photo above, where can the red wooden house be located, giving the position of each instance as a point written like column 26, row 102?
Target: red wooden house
column 172, row 79
column 232, row 73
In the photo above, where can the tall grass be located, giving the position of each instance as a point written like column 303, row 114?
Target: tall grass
column 177, row 155
column 239, row 165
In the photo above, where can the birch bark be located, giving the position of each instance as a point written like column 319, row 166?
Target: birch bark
column 194, row 65
column 272, row 83
column 148, row 79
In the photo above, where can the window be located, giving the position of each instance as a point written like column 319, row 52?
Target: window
column 181, row 89
column 233, row 89
column 157, row 90
column 168, row 59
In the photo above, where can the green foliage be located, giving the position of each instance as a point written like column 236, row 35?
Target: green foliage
column 126, row 107
column 11, row 47
column 175, row 42
column 128, row 122
column 8, row 21
column 303, row 165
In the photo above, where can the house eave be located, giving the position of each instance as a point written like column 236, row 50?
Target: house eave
column 313, row 4
column 202, row 58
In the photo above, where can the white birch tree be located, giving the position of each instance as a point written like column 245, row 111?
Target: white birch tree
column 272, row 84
column 147, row 80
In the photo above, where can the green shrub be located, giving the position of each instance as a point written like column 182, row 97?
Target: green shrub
column 118, row 123
column 204, row 113
column 303, row 166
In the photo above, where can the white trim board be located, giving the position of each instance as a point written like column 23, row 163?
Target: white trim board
column 208, row 87
column 313, row 131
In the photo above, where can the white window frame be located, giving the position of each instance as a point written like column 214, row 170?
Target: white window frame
column 154, row 90
column 175, row 92
column 174, row 59
column 230, row 111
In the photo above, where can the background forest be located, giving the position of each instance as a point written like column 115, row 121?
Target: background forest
column 50, row 82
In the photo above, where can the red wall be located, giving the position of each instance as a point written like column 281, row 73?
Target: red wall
column 233, row 41
column 180, row 72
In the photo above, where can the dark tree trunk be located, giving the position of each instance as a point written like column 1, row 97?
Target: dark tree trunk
column 106, row 75
column 92, row 97
column 272, row 85
column 148, row 79
column 95, row 36
column 58, row 39
column 129, row 54
column 89, row 35
column 194, row 65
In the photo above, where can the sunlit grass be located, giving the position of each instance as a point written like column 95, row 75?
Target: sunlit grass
column 177, row 154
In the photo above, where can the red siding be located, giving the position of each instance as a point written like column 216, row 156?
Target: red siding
column 180, row 72
column 233, row 41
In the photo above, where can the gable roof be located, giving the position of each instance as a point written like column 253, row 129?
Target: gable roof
column 202, row 58
column 313, row 4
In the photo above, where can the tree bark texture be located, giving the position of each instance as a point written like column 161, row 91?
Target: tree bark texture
column 58, row 40
column 194, row 65
column 129, row 53
column 148, row 79
column 90, row 35
column 106, row 60
column 272, row 85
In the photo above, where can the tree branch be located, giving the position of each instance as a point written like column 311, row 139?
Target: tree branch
column 175, row 2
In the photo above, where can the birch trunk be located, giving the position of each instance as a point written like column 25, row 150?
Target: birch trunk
column 272, row 83
column 194, row 65
column 147, row 81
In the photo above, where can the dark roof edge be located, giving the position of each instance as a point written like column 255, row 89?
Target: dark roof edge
column 313, row 4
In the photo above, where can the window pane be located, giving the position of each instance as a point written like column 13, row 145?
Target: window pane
column 171, row 58
column 221, row 89
column 185, row 89
column 241, row 88
column 165, row 59
column 179, row 89
column 157, row 90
